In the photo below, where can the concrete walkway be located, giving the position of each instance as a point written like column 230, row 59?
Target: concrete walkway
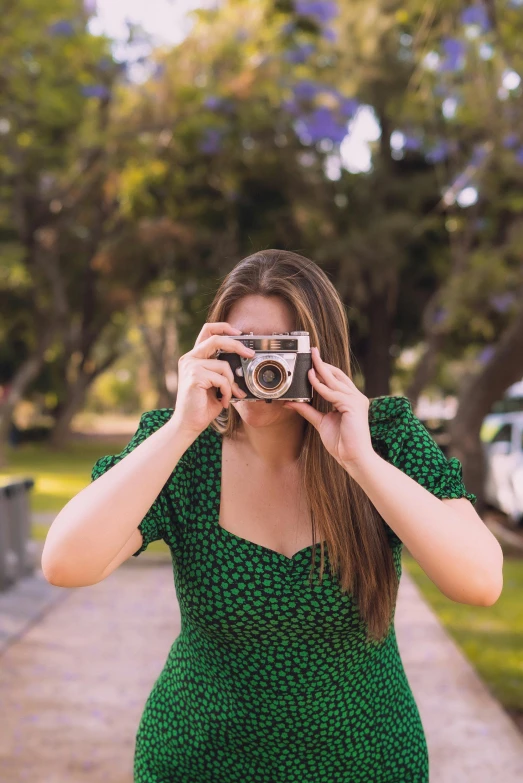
column 470, row 736
column 74, row 680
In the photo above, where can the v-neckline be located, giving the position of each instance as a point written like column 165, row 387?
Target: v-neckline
column 240, row 539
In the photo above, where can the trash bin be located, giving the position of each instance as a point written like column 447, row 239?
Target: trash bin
column 17, row 550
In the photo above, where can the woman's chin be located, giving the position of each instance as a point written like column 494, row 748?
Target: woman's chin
column 259, row 410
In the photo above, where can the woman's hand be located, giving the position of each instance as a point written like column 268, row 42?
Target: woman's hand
column 345, row 431
column 199, row 374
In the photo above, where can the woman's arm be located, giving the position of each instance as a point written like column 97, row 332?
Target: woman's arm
column 446, row 536
column 91, row 534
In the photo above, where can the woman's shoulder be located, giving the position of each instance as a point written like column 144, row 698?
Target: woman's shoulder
column 390, row 414
column 388, row 409
column 390, row 421
column 400, row 436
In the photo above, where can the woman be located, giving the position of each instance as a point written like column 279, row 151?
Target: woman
column 286, row 668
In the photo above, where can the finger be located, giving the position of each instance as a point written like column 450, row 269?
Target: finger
column 208, row 347
column 215, row 327
column 307, row 411
column 331, row 395
column 218, row 380
column 218, row 365
column 224, row 368
column 342, row 376
column 325, row 372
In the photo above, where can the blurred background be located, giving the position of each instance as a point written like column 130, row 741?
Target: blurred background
column 145, row 148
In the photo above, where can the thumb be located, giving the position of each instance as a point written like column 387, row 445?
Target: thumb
column 307, row 411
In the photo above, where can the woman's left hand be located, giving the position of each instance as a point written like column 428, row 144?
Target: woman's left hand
column 344, row 431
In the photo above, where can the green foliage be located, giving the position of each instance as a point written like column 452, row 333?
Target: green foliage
column 232, row 145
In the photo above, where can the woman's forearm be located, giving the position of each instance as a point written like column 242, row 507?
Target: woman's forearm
column 456, row 550
column 96, row 523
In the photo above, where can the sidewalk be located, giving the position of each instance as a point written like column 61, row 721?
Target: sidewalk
column 471, row 738
column 73, row 686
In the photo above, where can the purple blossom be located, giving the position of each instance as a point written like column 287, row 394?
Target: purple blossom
column 479, row 154
column 348, row 106
column 486, row 354
column 321, row 124
column 290, row 106
column 320, row 10
column 299, row 54
column 104, row 63
column 306, row 89
column 211, row 142
column 411, row 142
column 95, row 91
column 329, row 34
column 454, row 54
column 438, row 152
column 510, row 140
column 61, row 28
column 477, row 15
column 501, row 302
column 442, row 90
column 519, row 155
column 288, row 28
column 440, row 315
column 212, row 102
column 159, row 71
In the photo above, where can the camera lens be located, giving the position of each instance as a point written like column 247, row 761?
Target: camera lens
column 269, row 376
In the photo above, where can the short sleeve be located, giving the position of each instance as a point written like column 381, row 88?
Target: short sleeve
column 401, row 438
column 164, row 519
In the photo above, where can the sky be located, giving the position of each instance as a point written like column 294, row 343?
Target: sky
column 168, row 22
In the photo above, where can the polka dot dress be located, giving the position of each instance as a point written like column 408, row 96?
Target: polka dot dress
column 271, row 679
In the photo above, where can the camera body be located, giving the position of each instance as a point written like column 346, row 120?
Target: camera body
column 279, row 369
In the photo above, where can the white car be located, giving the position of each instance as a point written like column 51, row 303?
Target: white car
column 502, row 437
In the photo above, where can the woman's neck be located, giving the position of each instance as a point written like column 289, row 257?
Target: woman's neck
column 273, row 446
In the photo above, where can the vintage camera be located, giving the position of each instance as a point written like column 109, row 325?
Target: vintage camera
column 279, row 369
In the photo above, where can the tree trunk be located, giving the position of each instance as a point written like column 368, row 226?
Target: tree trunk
column 161, row 345
column 426, row 367
column 75, row 401
column 377, row 360
column 475, row 401
column 23, row 377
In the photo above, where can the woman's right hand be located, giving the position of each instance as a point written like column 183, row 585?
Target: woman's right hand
column 199, row 375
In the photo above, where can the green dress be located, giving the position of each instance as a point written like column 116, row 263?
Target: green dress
column 271, row 679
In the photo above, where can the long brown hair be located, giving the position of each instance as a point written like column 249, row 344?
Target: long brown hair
column 341, row 512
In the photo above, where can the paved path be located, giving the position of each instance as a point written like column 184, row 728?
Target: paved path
column 471, row 738
column 73, row 686
column 72, row 689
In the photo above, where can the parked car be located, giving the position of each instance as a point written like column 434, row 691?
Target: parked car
column 502, row 437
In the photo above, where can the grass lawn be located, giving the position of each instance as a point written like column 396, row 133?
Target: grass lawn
column 490, row 636
column 58, row 475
